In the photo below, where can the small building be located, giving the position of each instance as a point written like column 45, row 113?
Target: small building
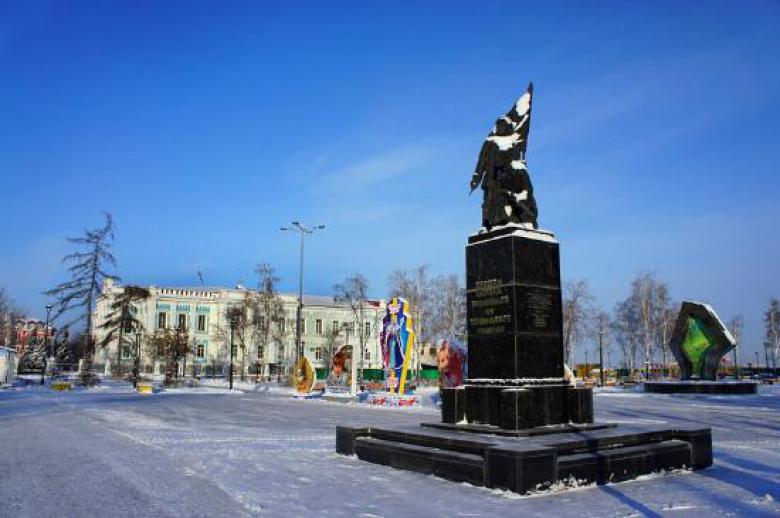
column 7, row 365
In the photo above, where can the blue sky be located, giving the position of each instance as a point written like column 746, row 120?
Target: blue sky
column 204, row 126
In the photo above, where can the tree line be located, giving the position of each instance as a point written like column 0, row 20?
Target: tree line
column 639, row 326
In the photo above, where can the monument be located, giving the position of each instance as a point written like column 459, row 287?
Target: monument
column 516, row 423
column 699, row 342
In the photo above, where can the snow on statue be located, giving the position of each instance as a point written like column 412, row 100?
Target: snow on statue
column 502, row 172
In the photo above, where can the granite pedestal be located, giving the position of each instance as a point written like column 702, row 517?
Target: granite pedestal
column 516, row 423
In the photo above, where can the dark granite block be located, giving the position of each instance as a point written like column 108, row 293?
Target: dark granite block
column 453, row 405
column 624, row 464
column 410, row 459
column 461, row 468
column 483, row 404
column 580, row 405
column 701, row 445
column 701, row 387
column 514, row 308
column 374, row 451
column 537, row 355
column 551, row 403
column 519, row 468
column 517, row 409
column 345, row 439
column 672, row 454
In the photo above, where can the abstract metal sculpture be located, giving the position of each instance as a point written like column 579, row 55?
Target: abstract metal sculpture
column 699, row 341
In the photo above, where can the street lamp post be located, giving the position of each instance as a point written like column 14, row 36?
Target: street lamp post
column 232, row 348
column 601, row 357
column 302, row 231
column 137, row 361
column 766, row 355
column 45, row 341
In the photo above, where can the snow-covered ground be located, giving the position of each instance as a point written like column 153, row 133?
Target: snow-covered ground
column 209, row 451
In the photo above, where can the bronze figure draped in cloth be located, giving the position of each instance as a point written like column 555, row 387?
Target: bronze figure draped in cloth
column 502, row 172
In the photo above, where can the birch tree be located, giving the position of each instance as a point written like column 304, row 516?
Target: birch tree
column 772, row 328
column 736, row 325
column 577, row 315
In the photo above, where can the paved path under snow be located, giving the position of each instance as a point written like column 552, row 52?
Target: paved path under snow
column 211, row 453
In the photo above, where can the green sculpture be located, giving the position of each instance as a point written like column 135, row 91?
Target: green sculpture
column 699, row 341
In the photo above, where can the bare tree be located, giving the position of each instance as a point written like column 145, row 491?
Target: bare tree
column 644, row 319
column 448, row 308
column 269, row 309
column 666, row 315
column 9, row 312
column 602, row 327
column 415, row 287
column 625, row 329
column 354, row 292
column 736, row 325
column 577, row 314
column 239, row 323
column 88, row 271
column 772, row 327
column 121, row 318
column 333, row 340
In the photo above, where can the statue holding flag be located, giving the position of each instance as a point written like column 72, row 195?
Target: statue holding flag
column 502, row 172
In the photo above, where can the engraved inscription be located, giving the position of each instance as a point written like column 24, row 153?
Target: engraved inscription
column 539, row 305
column 489, row 308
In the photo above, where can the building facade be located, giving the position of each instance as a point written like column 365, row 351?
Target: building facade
column 28, row 332
column 200, row 314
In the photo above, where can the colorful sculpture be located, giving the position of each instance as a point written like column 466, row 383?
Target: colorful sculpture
column 304, row 376
column 451, row 359
column 699, row 341
column 397, row 340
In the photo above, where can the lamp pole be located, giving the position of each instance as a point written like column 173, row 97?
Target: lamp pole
column 302, row 230
column 601, row 357
column 45, row 341
column 232, row 348
column 137, row 362
column 766, row 355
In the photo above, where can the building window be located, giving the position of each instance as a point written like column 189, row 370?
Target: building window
column 350, row 328
column 260, row 352
column 367, row 328
column 200, row 352
column 318, row 353
column 261, row 323
column 366, row 354
column 182, row 321
column 162, row 320
column 335, row 325
column 201, row 322
column 303, row 326
column 318, row 326
column 126, row 351
column 280, row 325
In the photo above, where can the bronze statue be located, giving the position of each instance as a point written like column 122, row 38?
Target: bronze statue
column 502, row 172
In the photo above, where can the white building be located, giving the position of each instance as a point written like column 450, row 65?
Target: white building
column 201, row 312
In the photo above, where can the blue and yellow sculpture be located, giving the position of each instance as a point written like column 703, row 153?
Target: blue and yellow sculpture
column 397, row 341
